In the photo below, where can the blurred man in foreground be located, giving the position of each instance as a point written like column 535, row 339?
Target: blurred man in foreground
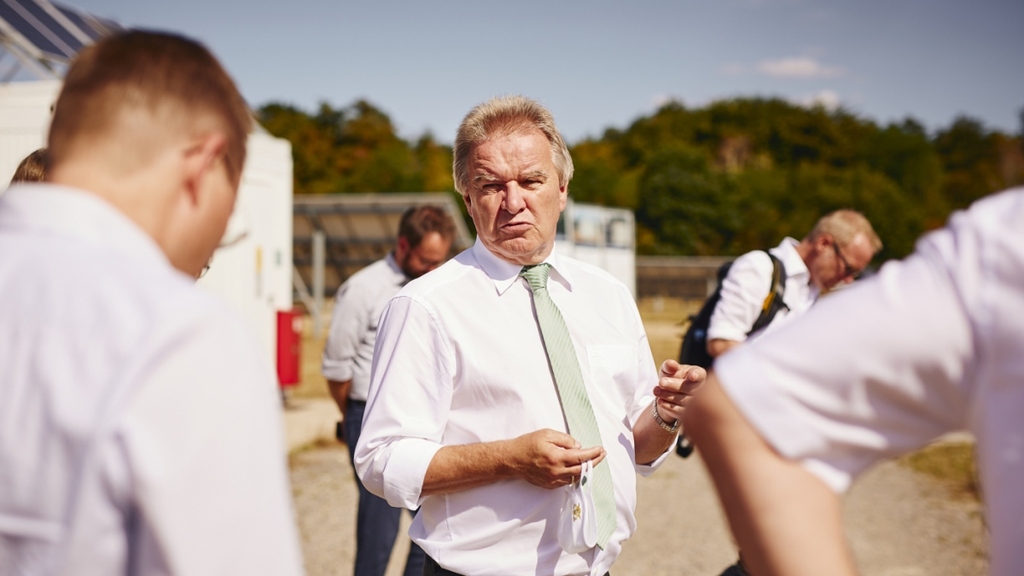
column 425, row 235
column 139, row 422
column 930, row 345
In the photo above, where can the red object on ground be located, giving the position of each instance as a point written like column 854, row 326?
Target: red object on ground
column 289, row 346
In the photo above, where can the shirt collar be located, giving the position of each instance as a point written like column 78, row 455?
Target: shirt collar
column 399, row 274
column 795, row 265
column 504, row 274
column 67, row 211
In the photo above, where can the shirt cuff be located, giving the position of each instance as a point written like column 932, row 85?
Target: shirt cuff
column 646, row 470
column 337, row 370
column 406, row 468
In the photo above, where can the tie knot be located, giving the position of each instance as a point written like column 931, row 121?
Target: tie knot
column 536, row 276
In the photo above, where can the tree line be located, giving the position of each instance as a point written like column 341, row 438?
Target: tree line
column 721, row 179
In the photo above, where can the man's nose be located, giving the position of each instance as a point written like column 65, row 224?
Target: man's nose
column 514, row 201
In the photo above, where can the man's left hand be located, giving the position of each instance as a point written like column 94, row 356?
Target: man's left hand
column 676, row 386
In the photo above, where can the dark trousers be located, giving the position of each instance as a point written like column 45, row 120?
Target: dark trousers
column 376, row 521
column 431, row 568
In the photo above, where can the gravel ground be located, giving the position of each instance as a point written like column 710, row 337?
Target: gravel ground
column 899, row 522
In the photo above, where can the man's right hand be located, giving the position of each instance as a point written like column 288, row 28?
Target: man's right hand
column 545, row 458
column 549, row 458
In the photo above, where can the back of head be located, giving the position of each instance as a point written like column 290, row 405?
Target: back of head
column 33, row 168
column 844, row 225
column 172, row 80
column 419, row 221
column 502, row 116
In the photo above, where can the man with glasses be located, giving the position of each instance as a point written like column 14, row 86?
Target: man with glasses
column 835, row 252
column 931, row 344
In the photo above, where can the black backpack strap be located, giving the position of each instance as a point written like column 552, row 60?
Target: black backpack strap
column 773, row 302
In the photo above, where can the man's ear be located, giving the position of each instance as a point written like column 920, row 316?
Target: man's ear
column 401, row 249
column 822, row 243
column 200, row 159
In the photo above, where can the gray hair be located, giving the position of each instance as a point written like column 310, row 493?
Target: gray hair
column 844, row 225
column 504, row 115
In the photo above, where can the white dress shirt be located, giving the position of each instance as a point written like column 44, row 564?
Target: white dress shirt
column 929, row 345
column 460, row 360
column 747, row 284
column 348, row 354
column 139, row 422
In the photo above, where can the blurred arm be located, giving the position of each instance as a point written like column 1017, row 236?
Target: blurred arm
column 785, row 520
column 720, row 346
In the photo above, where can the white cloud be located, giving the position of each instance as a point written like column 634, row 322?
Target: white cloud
column 659, row 100
column 827, row 99
column 799, row 67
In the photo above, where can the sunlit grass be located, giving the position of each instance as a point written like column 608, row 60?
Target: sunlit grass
column 951, row 463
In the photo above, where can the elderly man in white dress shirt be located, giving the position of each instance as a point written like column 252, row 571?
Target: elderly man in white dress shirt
column 929, row 345
column 139, row 421
column 464, row 417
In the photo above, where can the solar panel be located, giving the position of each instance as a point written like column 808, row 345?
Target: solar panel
column 94, row 26
column 50, row 32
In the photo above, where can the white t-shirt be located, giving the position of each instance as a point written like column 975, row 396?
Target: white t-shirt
column 140, row 428
column 459, row 360
column 748, row 282
column 930, row 345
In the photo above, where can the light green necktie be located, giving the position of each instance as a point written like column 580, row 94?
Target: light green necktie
column 579, row 414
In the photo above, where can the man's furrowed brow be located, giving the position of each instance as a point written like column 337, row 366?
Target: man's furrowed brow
column 485, row 177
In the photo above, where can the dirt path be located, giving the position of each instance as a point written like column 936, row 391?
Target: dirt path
column 899, row 522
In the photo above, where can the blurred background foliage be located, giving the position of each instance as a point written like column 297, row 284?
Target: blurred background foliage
column 721, row 179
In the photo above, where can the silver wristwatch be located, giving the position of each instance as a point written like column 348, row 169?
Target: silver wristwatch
column 670, row 428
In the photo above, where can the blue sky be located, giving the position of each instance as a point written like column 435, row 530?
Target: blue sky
column 600, row 63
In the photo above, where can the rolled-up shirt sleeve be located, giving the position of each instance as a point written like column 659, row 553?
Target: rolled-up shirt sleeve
column 408, row 403
column 643, row 396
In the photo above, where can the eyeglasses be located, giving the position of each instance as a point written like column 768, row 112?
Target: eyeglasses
column 848, row 271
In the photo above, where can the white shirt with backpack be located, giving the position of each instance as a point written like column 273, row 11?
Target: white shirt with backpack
column 748, row 282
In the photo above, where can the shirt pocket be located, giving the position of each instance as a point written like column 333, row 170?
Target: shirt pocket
column 613, row 382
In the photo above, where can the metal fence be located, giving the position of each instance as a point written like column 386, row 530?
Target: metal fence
column 685, row 277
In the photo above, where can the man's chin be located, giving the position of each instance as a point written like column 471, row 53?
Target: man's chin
column 521, row 251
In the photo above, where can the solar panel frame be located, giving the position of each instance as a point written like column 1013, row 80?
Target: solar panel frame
column 92, row 26
column 40, row 45
column 37, row 25
column 51, row 32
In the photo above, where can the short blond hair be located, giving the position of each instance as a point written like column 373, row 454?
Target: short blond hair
column 844, row 225
column 505, row 115
column 149, row 71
